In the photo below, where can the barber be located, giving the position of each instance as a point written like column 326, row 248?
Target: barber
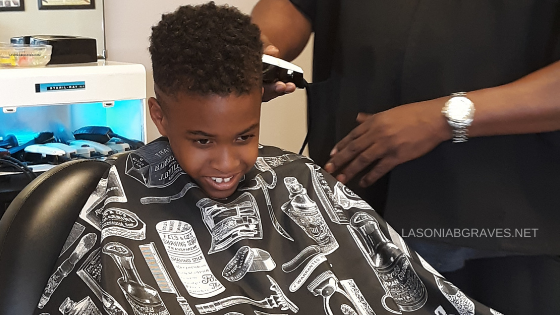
column 460, row 102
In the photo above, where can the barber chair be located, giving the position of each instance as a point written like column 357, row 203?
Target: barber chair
column 35, row 227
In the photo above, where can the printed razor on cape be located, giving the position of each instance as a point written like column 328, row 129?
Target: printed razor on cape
column 278, row 300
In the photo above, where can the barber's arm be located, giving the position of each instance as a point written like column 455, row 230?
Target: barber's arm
column 528, row 105
column 284, row 32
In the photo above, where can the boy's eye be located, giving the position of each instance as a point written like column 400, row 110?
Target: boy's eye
column 202, row 141
column 244, row 138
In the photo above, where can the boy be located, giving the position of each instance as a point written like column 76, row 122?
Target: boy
column 208, row 96
column 206, row 221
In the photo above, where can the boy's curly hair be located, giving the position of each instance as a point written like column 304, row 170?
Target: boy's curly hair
column 206, row 49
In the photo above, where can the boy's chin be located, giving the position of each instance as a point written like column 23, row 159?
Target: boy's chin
column 214, row 193
column 220, row 194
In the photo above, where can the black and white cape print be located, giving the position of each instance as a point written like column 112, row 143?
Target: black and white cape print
column 290, row 240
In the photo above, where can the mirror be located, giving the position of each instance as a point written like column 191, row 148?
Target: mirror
column 69, row 22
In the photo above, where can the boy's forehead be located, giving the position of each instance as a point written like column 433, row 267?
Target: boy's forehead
column 213, row 114
column 184, row 99
column 194, row 101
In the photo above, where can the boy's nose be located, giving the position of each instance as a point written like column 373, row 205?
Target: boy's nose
column 226, row 161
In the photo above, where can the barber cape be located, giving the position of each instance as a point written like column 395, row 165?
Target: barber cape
column 290, row 240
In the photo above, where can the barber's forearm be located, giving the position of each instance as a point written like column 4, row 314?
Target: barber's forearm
column 528, row 105
column 284, row 25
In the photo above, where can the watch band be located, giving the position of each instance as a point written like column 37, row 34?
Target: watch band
column 460, row 134
column 459, row 94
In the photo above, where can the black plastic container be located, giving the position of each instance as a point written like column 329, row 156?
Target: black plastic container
column 65, row 49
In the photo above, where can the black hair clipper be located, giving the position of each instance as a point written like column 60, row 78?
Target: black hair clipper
column 275, row 69
column 103, row 134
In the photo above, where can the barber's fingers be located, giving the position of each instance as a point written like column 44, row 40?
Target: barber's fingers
column 273, row 90
column 268, row 47
column 382, row 167
column 348, row 148
column 365, row 158
column 362, row 117
column 290, row 87
column 271, row 50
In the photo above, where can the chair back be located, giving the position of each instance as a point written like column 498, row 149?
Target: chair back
column 34, row 228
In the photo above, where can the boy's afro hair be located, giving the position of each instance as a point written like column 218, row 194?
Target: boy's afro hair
column 206, row 49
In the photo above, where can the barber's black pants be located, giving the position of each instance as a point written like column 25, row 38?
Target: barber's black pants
column 512, row 285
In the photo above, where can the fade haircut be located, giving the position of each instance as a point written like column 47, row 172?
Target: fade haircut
column 206, row 49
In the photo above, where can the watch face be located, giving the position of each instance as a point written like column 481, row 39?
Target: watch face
column 460, row 108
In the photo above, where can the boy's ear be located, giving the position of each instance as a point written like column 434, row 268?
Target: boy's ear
column 157, row 115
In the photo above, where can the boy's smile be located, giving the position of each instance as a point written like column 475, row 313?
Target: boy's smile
column 214, row 138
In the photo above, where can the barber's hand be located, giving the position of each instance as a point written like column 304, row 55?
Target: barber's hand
column 276, row 89
column 388, row 139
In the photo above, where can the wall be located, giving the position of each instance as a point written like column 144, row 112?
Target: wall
column 128, row 27
column 32, row 21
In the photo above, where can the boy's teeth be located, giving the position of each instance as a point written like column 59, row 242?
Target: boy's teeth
column 220, row 179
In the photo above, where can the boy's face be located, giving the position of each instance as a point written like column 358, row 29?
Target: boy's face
column 214, row 138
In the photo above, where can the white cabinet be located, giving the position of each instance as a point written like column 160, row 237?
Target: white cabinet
column 64, row 98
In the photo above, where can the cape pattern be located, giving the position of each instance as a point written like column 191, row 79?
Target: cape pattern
column 290, row 240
